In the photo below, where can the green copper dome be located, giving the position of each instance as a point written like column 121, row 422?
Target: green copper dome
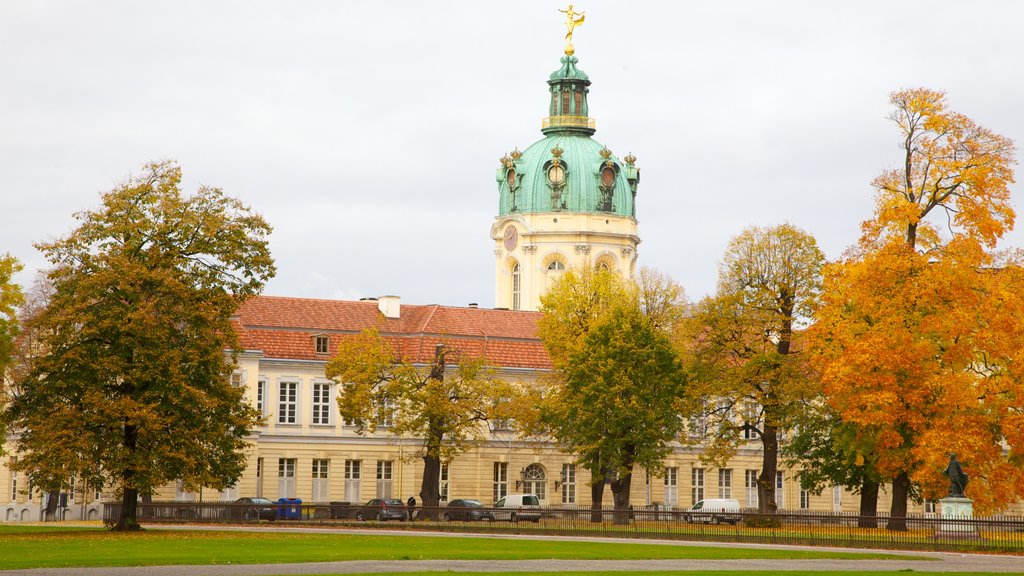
column 567, row 171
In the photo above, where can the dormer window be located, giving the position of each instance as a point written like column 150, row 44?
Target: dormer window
column 321, row 344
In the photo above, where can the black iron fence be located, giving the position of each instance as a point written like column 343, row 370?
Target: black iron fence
column 915, row 532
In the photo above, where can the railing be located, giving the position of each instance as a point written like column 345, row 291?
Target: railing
column 918, row 532
column 576, row 121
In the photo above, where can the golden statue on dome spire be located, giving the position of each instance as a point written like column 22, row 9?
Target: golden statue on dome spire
column 572, row 20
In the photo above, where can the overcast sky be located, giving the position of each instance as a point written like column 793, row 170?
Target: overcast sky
column 368, row 133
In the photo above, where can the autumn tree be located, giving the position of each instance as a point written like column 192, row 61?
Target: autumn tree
column 919, row 329
column 131, row 388
column 10, row 298
column 613, row 399
column 443, row 404
column 750, row 373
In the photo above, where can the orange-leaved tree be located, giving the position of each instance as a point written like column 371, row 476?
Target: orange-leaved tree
column 919, row 327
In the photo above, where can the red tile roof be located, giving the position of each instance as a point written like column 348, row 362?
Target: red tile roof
column 285, row 328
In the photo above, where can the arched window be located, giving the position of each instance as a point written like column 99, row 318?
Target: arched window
column 534, row 481
column 555, row 270
column 516, row 286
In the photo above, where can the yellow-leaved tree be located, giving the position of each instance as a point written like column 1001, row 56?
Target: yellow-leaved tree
column 919, row 330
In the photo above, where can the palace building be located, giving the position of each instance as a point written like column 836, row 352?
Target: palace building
column 565, row 201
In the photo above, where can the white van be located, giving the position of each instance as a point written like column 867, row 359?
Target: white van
column 516, row 507
column 714, row 510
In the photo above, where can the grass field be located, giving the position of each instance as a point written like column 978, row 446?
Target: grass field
column 44, row 547
column 674, row 573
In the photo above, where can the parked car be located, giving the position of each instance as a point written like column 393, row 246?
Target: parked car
column 255, row 509
column 467, row 510
column 516, row 507
column 383, row 509
column 714, row 511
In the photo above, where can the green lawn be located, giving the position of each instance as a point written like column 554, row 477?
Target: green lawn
column 44, row 547
column 675, row 573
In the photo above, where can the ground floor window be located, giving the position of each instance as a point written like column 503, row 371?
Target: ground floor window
column 750, row 484
column 697, row 485
column 500, row 480
column 534, row 481
column 442, row 483
column 319, row 475
column 384, row 478
column 352, row 481
column 671, row 486
column 805, row 499
column 780, row 500
column 286, row 477
column 725, row 483
column 568, row 483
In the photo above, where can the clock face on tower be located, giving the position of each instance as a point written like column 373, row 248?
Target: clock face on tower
column 511, row 238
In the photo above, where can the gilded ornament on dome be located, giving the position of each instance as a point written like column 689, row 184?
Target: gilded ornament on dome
column 630, row 159
column 605, row 152
column 516, row 154
column 572, row 20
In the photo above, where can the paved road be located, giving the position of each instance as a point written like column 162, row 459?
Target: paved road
column 937, row 562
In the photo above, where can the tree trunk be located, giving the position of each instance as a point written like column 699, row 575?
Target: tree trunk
column 620, row 496
column 596, row 500
column 430, row 492
column 52, row 499
column 868, row 504
column 769, row 467
column 898, row 512
column 128, row 521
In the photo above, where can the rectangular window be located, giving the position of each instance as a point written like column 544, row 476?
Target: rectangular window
column 261, row 390
column 259, row 477
column 321, row 403
column 71, row 488
column 697, row 485
column 750, row 483
column 236, row 379
column 779, row 500
column 725, row 483
column 837, row 498
column 321, row 344
column 383, row 478
column 286, row 477
column 287, row 402
column 698, row 426
column 352, row 481
column 671, row 486
column 320, row 485
column 443, row 482
column 386, row 413
column 500, row 480
column 568, row 483
column 578, row 108
column 805, row 499
column 929, row 506
column 565, row 103
column 14, row 484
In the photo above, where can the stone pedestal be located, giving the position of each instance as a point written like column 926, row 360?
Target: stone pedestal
column 955, row 514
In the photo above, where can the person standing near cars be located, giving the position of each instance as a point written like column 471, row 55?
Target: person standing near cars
column 411, row 504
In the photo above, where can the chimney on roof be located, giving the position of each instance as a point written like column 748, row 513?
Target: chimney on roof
column 473, row 305
column 390, row 306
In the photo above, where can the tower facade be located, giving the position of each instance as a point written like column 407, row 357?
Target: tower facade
column 566, row 201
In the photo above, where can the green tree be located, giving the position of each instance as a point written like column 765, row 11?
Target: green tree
column 742, row 344
column 828, row 452
column 441, row 405
column 131, row 385
column 613, row 399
